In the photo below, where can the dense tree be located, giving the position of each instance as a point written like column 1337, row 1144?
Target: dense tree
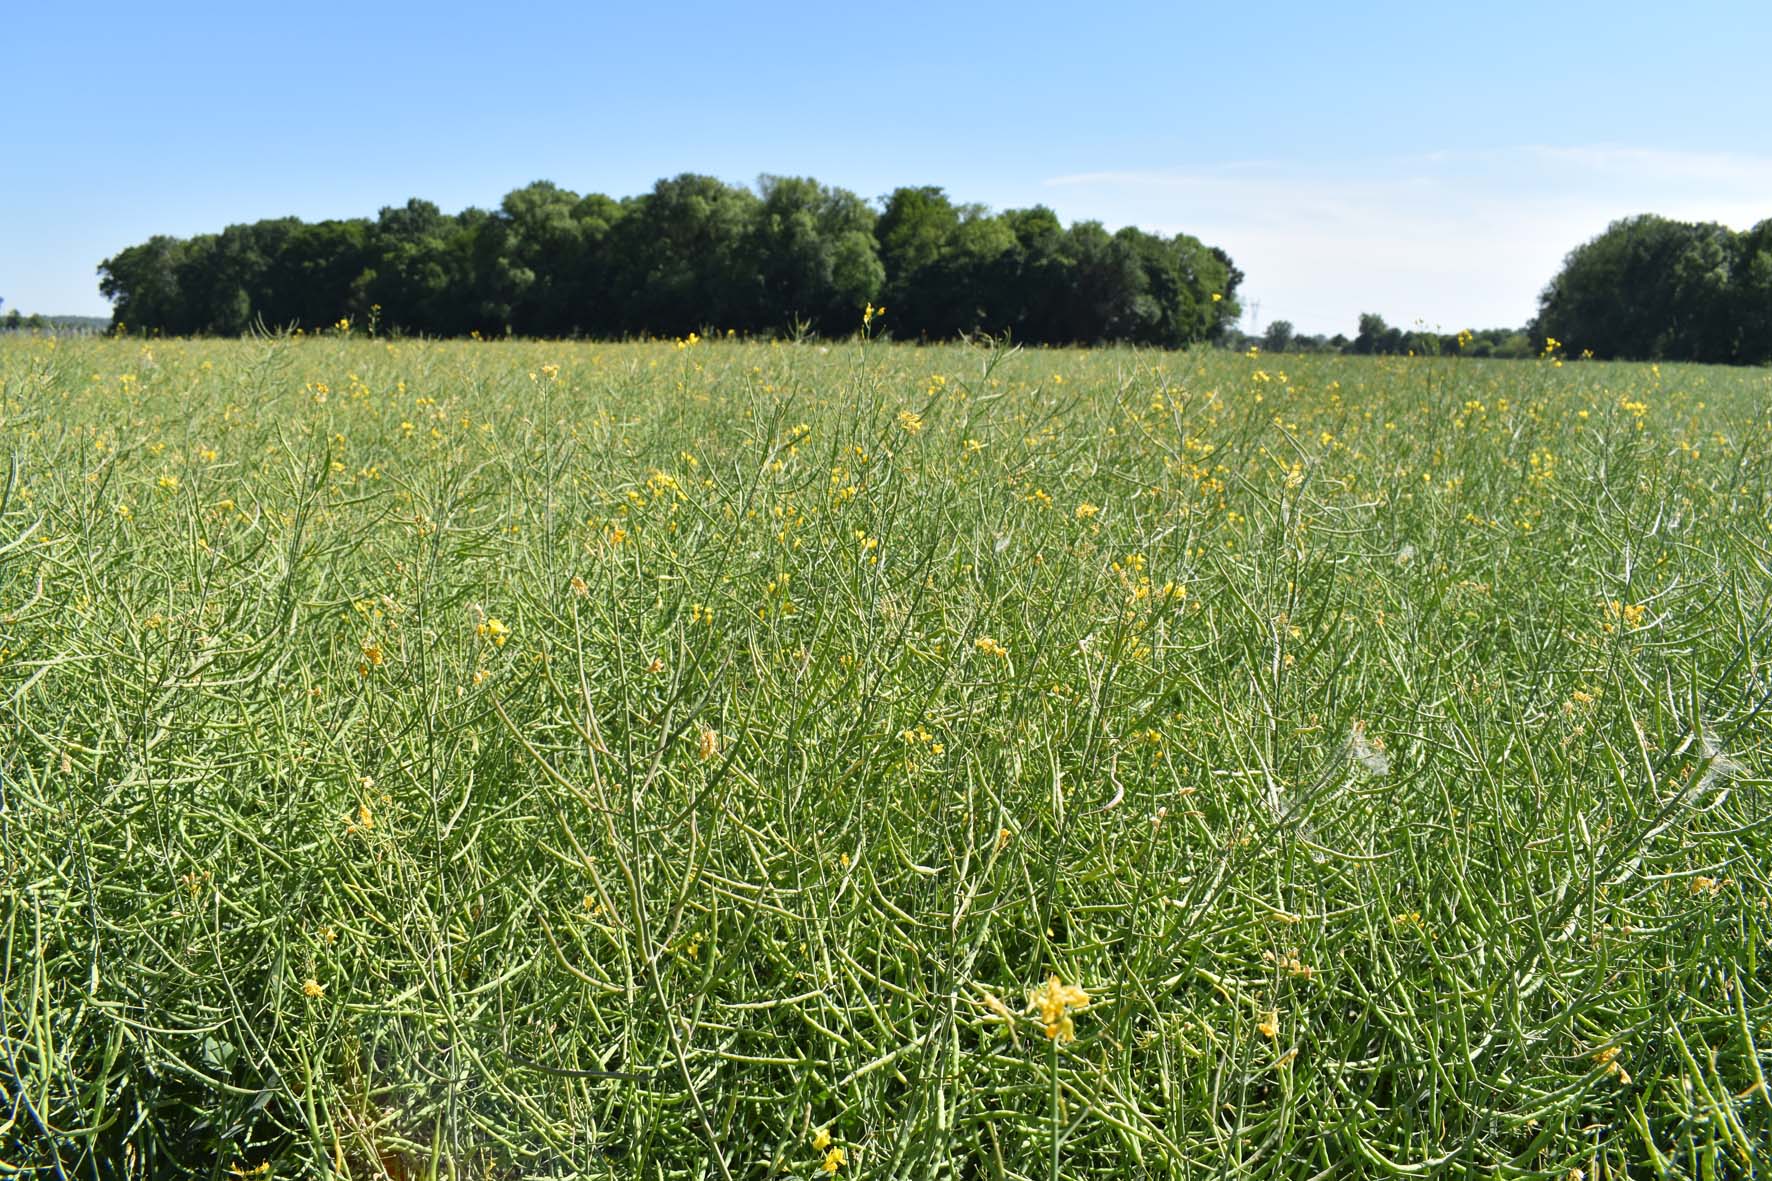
column 682, row 257
column 1751, row 304
column 142, row 283
column 694, row 252
column 814, row 253
column 1651, row 287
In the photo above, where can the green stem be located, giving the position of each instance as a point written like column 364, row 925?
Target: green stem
column 1055, row 1128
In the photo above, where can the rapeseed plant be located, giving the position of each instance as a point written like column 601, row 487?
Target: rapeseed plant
column 1219, row 591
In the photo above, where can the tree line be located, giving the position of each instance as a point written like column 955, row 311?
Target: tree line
column 1376, row 338
column 788, row 255
column 1651, row 288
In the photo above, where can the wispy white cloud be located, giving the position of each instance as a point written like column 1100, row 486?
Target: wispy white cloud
column 1454, row 238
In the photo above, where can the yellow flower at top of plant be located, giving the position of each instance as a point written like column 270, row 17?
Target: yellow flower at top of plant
column 833, row 1160
column 1218, row 297
column 1052, row 1003
column 910, row 422
column 990, row 647
column 1086, row 510
column 312, row 988
column 821, row 1139
column 708, row 743
column 495, row 630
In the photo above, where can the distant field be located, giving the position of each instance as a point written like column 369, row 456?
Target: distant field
column 1365, row 760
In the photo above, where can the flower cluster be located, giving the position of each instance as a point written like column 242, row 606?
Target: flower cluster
column 1052, row 1004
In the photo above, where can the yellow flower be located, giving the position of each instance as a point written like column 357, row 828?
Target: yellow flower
column 821, row 1139
column 495, row 630
column 312, row 988
column 990, row 647
column 910, row 422
column 1052, row 1003
column 1628, row 614
column 1607, row 1059
column 1086, row 510
column 709, row 743
column 1270, row 1025
column 833, row 1160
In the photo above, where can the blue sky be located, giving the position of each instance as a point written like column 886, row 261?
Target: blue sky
column 1424, row 162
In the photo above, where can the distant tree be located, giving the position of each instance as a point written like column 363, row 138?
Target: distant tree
column 814, row 251
column 682, row 258
column 915, row 230
column 1650, row 287
column 693, row 252
column 142, row 283
column 1278, row 337
column 320, row 272
column 1373, row 335
column 1751, row 295
column 409, row 254
column 1107, row 281
column 1028, row 284
column 946, row 265
column 1228, row 308
column 532, row 258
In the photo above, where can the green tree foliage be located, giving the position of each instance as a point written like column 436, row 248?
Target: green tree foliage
column 693, row 253
column 1653, row 288
column 813, row 251
column 142, row 283
column 1279, row 336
